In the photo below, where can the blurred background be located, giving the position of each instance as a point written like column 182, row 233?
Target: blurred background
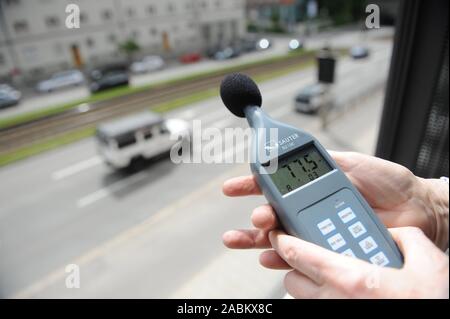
column 86, row 114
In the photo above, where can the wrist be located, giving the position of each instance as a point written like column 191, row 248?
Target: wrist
column 435, row 193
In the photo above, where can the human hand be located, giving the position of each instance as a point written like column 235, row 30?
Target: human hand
column 397, row 196
column 321, row 273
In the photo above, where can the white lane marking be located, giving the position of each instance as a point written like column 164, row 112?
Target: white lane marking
column 106, row 191
column 76, row 168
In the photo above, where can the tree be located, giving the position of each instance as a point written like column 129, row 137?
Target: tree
column 344, row 11
column 129, row 47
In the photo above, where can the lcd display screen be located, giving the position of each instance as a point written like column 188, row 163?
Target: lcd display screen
column 299, row 168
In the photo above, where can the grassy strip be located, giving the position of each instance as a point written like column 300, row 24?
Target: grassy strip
column 185, row 100
column 71, row 137
column 40, row 147
column 121, row 91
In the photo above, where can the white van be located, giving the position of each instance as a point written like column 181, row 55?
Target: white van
column 127, row 141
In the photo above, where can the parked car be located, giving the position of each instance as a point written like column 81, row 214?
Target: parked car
column 61, row 80
column 108, row 77
column 248, row 44
column 129, row 141
column 359, row 52
column 227, row 53
column 149, row 63
column 9, row 96
column 211, row 52
column 190, row 58
column 310, row 98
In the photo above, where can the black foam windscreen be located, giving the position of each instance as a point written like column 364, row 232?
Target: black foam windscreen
column 238, row 91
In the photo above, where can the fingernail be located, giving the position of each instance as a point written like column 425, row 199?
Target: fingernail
column 227, row 235
column 272, row 235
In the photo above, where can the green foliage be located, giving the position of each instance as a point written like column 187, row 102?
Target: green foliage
column 129, row 47
column 344, row 11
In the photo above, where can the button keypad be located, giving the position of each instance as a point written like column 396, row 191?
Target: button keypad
column 355, row 229
column 379, row 259
column 346, row 215
column 326, row 226
column 368, row 245
column 336, row 241
column 348, row 253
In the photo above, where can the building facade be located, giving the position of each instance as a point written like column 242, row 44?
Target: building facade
column 34, row 38
column 275, row 15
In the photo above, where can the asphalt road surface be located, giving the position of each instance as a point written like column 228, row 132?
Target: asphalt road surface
column 157, row 233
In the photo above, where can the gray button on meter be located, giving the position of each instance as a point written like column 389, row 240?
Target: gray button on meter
column 312, row 197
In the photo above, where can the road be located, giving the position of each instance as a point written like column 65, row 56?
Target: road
column 156, row 233
column 336, row 39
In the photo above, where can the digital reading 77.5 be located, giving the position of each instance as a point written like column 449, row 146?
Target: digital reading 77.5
column 300, row 168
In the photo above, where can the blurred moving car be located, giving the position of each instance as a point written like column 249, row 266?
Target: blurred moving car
column 227, row 53
column 61, row 80
column 149, row 63
column 128, row 141
column 296, row 44
column 359, row 52
column 190, row 58
column 108, row 77
column 310, row 98
column 9, row 96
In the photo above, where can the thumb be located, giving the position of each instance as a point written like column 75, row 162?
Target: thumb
column 413, row 244
column 345, row 160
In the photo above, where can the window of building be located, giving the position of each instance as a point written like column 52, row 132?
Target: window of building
column 20, row 26
column 153, row 31
column 112, row 38
column 36, row 72
column 130, row 12
column 83, row 17
column 2, row 59
column 12, row 2
column 52, row 22
column 107, row 15
column 171, row 8
column 151, row 10
column 90, row 42
column 135, row 34
column 30, row 53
